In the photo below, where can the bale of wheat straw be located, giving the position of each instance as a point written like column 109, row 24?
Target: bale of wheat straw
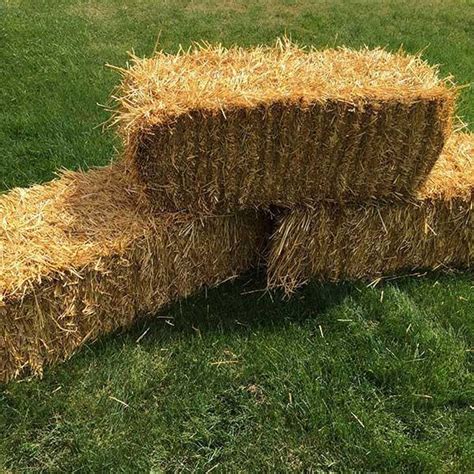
column 84, row 255
column 333, row 242
column 222, row 129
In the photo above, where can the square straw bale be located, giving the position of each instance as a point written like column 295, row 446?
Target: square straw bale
column 215, row 129
column 84, row 255
column 369, row 241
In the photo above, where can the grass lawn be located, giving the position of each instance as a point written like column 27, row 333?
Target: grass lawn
column 340, row 377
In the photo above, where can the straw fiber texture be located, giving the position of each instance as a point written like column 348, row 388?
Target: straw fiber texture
column 215, row 129
column 370, row 241
column 84, row 255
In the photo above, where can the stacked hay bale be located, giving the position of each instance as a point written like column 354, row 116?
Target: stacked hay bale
column 84, row 255
column 344, row 140
column 219, row 129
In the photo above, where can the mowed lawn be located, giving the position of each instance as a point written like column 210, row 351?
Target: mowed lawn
column 339, row 377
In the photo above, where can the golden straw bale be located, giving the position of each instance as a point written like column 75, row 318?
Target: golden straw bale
column 369, row 241
column 85, row 255
column 223, row 129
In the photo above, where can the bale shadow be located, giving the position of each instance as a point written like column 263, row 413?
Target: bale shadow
column 245, row 306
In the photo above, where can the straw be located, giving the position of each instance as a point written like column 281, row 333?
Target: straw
column 216, row 129
column 372, row 240
column 85, row 255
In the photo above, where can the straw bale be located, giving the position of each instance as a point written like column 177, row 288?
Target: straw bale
column 369, row 241
column 85, row 255
column 222, row 129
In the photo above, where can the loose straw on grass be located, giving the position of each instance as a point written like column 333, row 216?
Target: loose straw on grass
column 223, row 129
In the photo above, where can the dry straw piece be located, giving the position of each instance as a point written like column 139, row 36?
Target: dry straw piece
column 435, row 230
column 85, row 255
column 222, row 129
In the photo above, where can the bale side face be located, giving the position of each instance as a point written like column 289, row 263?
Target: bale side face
column 287, row 155
column 218, row 130
column 45, row 319
column 334, row 242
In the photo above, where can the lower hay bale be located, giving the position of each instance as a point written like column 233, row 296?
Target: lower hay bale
column 84, row 255
column 332, row 242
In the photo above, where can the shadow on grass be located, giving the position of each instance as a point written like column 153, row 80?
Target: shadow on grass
column 240, row 306
column 243, row 307
column 248, row 376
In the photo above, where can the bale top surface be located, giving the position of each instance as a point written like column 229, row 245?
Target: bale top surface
column 67, row 223
column 213, row 78
column 453, row 174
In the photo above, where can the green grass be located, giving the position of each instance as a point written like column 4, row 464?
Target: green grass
column 340, row 377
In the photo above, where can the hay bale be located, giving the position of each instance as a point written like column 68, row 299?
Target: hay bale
column 215, row 129
column 333, row 242
column 84, row 255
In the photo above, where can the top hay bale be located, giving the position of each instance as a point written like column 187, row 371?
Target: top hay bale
column 215, row 129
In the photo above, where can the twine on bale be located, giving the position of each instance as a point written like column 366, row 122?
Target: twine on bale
column 84, row 255
column 369, row 241
column 223, row 129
